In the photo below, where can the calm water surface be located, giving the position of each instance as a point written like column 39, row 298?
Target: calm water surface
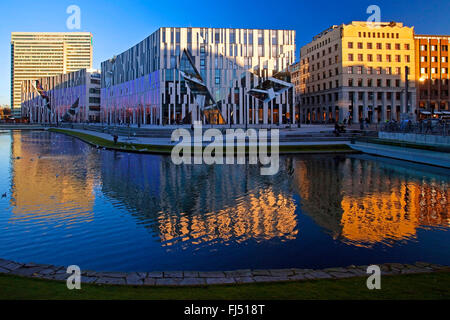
column 68, row 203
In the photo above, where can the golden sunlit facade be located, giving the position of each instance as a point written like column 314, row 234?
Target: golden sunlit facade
column 356, row 71
column 432, row 77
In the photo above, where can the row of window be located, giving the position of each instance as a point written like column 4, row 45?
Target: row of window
column 379, row 46
column 382, row 35
column 369, row 83
column 433, row 70
column 433, row 47
column 379, row 58
column 433, row 59
column 352, row 95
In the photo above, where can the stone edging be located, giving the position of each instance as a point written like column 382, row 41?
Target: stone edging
column 201, row 278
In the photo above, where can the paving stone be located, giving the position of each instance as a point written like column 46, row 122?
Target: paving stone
column 412, row 270
column 244, row 279
column 155, row 274
column 30, row 265
column 3, row 270
column 134, row 279
column 270, row 279
column 4, row 262
column 261, row 272
column 301, row 271
column 422, row 264
column 192, row 282
column 168, row 281
column 149, row 281
column 106, row 280
column 26, row 272
column 88, row 279
column 47, row 271
column 142, row 275
column 114, row 274
column 220, row 280
column 317, row 274
column 297, row 277
column 357, row 272
column 341, row 275
column 335, row 270
column 60, row 276
column 12, row 266
column 190, row 274
column 211, row 274
column 281, row 272
column 239, row 273
column 173, row 274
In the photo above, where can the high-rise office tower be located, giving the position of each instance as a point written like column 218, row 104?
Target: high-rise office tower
column 42, row 54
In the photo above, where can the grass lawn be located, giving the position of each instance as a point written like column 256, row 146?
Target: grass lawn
column 413, row 286
column 147, row 148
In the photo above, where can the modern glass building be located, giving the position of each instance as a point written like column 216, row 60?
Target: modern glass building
column 215, row 75
column 70, row 97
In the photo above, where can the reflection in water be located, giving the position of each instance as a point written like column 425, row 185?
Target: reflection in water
column 367, row 202
column 49, row 180
column 71, row 203
column 197, row 204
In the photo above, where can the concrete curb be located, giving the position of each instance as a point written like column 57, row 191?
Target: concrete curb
column 203, row 278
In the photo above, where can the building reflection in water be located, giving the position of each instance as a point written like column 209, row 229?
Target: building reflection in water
column 367, row 202
column 201, row 204
column 51, row 180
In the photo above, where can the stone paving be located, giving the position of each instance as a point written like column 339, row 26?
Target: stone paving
column 202, row 278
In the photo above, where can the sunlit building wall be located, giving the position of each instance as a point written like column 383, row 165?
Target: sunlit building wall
column 143, row 85
column 355, row 71
column 432, row 77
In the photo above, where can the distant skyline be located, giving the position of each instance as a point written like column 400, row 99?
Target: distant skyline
column 118, row 25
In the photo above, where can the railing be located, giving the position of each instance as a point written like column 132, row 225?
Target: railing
column 441, row 128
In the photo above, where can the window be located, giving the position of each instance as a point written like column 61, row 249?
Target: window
column 433, row 48
column 406, row 46
column 350, row 45
column 444, row 59
column 397, row 46
column 379, row 46
column 423, row 70
column 350, row 82
column 407, row 58
column 398, row 70
column 444, row 70
column 350, row 57
column 397, row 83
column 433, row 70
column 379, row 83
column 359, row 70
column 369, row 58
column 433, row 59
column 369, row 70
column 379, row 70
column 369, row 82
column 379, row 58
column 360, row 45
column 388, row 46
column 360, row 82
column 423, row 47
column 423, row 59
column 388, row 58
column 350, row 70
column 397, row 58
column 388, row 70
column 360, row 57
column 369, row 45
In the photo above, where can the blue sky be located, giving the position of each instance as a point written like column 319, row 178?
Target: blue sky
column 117, row 25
